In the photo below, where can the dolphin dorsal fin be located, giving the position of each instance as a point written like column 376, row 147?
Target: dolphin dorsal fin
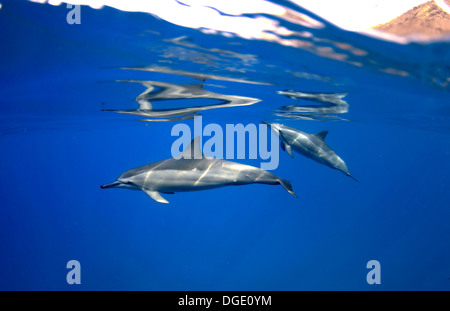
column 194, row 150
column 321, row 135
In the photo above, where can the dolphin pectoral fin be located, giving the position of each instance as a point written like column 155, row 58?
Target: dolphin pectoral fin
column 289, row 150
column 155, row 195
column 285, row 145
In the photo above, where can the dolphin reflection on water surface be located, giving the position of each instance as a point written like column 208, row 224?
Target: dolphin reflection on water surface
column 173, row 91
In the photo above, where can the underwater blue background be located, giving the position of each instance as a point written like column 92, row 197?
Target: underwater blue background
column 58, row 147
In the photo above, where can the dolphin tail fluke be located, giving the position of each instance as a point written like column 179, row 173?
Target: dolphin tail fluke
column 111, row 185
column 350, row 175
column 287, row 185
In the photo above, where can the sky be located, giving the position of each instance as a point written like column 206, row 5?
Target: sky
column 354, row 15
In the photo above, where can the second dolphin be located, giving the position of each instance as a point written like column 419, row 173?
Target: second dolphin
column 312, row 146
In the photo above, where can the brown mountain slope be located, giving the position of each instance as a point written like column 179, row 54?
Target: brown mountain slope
column 425, row 20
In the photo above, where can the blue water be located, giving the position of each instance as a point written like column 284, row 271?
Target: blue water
column 58, row 147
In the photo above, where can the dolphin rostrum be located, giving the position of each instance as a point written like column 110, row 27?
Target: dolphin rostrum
column 312, row 146
column 193, row 171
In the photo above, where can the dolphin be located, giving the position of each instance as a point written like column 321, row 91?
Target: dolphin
column 191, row 172
column 312, row 146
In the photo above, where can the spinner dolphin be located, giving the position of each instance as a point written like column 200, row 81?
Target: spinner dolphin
column 312, row 146
column 193, row 171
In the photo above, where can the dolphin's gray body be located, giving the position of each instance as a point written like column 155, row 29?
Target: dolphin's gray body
column 193, row 172
column 312, row 146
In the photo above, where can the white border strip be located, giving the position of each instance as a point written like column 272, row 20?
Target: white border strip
column 443, row 5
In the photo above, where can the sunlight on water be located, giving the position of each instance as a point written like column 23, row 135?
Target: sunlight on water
column 271, row 22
